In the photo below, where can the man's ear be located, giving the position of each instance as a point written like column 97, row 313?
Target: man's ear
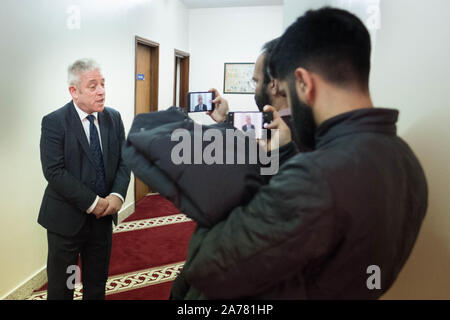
column 73, row 92
column 274, row 88
column 304, row 84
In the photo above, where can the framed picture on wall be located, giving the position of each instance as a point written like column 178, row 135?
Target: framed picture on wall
column 238, row 78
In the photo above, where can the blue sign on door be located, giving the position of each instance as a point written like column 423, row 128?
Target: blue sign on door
column 140, row 76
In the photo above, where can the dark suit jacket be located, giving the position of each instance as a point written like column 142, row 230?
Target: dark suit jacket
column 202, row 107
column 245, row 127
column 69, row 168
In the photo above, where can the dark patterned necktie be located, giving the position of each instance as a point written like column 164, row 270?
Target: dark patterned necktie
column 96, row 151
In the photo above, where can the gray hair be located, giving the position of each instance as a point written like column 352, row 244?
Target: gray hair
column 78, row 67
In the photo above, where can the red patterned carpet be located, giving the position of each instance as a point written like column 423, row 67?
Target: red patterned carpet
column 148, row 251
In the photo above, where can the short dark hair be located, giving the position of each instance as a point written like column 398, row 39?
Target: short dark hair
column 267, row 51
column 331, row 42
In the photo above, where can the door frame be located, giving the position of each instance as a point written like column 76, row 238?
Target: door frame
column 154, row 71
column 154, row 80
column 184, row 78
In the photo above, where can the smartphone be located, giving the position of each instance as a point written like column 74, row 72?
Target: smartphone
column 200, row 101
column 251, row 122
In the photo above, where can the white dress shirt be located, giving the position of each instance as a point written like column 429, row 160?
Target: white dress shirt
column 86, row 126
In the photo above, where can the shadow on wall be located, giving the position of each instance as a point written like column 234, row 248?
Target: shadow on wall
column 426, row 275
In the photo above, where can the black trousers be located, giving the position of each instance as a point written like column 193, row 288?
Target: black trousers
column 93, row 245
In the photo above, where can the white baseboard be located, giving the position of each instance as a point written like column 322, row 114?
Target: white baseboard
column 27, row 287
column 126, row 212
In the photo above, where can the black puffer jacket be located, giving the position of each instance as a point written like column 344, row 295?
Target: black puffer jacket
column 320, row 226
column 205, row 193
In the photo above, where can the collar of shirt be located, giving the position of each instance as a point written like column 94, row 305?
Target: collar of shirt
column 86, row 124
column 284, row 112
column 83, row 114
column 379, row 120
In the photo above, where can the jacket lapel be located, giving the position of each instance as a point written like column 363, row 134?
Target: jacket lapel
column 77, row 128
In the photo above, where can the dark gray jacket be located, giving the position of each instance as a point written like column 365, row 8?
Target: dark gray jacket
column 317, row 229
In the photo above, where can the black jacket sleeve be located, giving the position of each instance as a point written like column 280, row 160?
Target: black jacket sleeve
column 287, row 227
column 287, row 151
column 122, row 178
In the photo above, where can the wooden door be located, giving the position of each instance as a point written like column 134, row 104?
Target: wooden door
column 181, row 79
column 146, row 90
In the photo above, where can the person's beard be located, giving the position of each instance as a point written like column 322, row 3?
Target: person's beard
column 262, row 98
column 303, row 119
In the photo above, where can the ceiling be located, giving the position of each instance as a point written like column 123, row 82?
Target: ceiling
column 194, row 4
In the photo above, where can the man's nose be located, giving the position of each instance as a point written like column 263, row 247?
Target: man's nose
column 100, row 90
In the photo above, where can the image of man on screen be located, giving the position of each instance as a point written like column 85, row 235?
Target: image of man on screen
column 248, row 126
column 200, row 106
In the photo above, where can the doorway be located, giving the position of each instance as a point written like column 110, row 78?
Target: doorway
column 181, row 79
column 146, row 77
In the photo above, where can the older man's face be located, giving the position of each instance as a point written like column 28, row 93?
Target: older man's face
column 89, row 94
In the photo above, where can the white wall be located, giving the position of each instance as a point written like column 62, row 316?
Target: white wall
column 36, row 49
column 292, row 9
column 411, row 69
column 410, row 72
column 222, row 35
column 366, row 10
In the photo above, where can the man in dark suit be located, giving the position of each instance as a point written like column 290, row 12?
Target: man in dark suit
column 87, row 184
column 248, row 124
column 201, row 106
